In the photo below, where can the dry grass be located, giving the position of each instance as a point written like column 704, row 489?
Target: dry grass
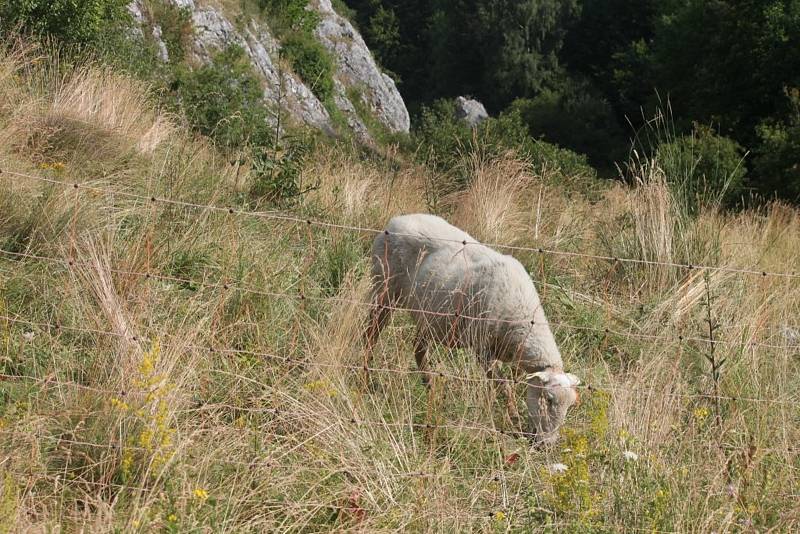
column 490, row 207
column 221, row 410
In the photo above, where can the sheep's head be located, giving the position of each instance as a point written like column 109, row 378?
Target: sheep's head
column 550, row 395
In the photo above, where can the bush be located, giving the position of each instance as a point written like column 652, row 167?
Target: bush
column 176, row 27
column 777, row 161
column 71, row 21
column 444, row 141
column 277, row 171
column 224, row 100
column 704, row 168
column 294, row 26
column 290, row 16
column 575, row 118
column 311, row 61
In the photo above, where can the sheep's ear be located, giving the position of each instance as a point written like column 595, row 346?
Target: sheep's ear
column 544, row 376
column 573, row 380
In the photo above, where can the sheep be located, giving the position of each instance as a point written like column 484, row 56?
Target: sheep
column 466, row 295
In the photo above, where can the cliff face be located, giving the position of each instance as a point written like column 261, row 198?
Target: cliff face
column 356, row 74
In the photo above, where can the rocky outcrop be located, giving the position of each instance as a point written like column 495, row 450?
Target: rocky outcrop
column 213, row 32
column 356, row 70
column 470, row 111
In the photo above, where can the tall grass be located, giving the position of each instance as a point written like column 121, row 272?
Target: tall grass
column 184, row 419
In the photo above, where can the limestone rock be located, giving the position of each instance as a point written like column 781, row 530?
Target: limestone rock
column 356, row 68
column 470, row 111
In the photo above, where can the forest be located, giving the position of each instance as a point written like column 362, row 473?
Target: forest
column 587, row 74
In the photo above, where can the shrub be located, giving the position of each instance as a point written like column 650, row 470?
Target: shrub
column 345, row 11
column 575, row 118
column 294, row 26
column 444, row 141
column 704, row 168
column 290, row 15
column 277, row 170
column 311, row 61
column 176, row 27
column 224, row 100
column 72, row 21
column 777, row 161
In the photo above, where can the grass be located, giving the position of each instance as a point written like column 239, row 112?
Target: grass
column 206, row 408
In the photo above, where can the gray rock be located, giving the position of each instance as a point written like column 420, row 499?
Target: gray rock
column 347, row 108
column 355, row 67
column 470, row 111
column 163, row 53
column 283, row 90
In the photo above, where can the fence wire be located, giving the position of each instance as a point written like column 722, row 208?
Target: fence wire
column 287, row 217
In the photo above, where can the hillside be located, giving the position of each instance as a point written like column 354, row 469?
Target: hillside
column 180, row 353
column 313, row 66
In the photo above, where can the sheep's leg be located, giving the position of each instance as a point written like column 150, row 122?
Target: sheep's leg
column 421, row 355
column 378, row 318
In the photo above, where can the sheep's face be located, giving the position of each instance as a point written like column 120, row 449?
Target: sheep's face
column 550, row 394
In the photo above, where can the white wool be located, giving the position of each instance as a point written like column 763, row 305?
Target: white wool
column 465, row 294
column 430, row 268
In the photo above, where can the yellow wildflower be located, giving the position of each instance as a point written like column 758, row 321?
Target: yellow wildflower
column 127, row 463
column 700, row 414
column 201, row 494
column 146, row 439
column 172, row 518
column 120, row 404
column 499, row 516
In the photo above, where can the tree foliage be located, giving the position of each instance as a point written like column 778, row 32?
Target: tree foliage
column 587, row 74
column 224, row 100
column 75, row 21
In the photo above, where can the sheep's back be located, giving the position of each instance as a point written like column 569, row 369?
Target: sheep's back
column 430, row 269
column 410, row 242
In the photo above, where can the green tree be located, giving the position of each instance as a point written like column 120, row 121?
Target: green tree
column 576, row 116
column 73, row 21
column 497, row 50
column 777, row 161
column 727, row 61
column 609, row 44
column 397, row 32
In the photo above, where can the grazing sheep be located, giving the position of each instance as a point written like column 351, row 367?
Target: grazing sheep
column 473, row 297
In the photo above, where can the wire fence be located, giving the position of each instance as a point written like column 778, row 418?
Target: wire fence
column 596, row 386
column 287, row 217
column 678, row 337
column 497, row 474
column 299, row 296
